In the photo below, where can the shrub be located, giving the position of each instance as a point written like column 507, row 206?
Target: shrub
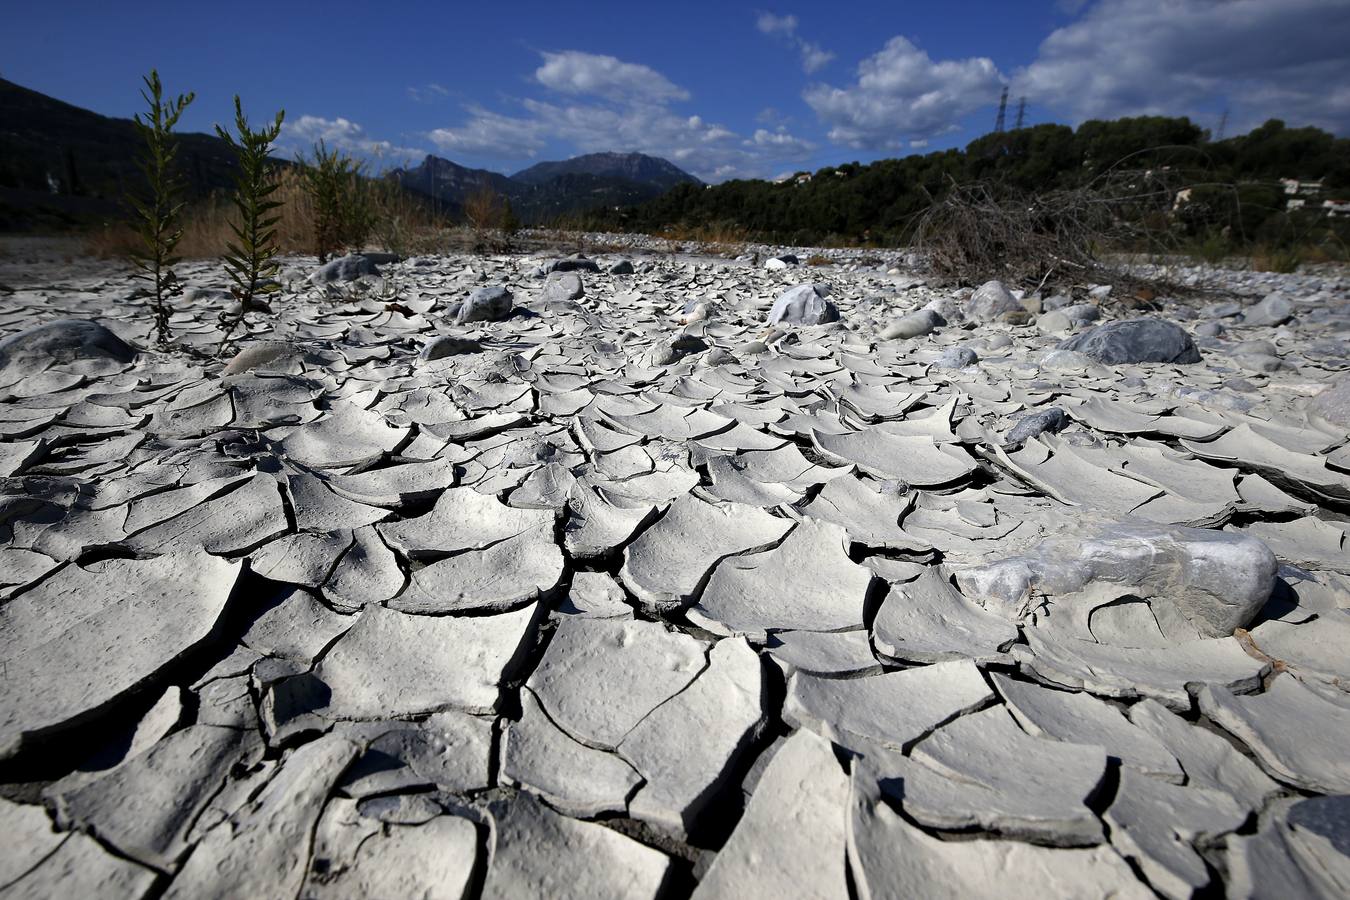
column 327, row 180
column 157, row 216
column 250, row 257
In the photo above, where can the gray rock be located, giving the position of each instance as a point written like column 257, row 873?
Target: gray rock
column 991, row 301
column 278, row 356
column 1052, row 419
column 622, row 267
column 486, row 304
column 1332, row 403
column 916, row 324
column 957, row 358
column 1274, row 310
column 345, row 268
column 804, row 304
column 1136, row 341
column 448, row 345
column 574, row 263
column 1216, row 581
column 62, row 341
column 562, row 287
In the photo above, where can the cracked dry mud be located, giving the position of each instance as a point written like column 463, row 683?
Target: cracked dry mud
column 649, row 582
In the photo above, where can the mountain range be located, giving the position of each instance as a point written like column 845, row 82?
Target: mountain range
column 547, row 190
column 63, row 166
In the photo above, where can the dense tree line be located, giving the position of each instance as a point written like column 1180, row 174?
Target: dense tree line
column 1234, row 184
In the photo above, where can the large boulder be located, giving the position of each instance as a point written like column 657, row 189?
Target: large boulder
column 274, row 356
column 1051, row 419
column 563, row 286
column 1275, row 309
column 1216, row 580
column 915, row 324
column 486, row 304
column 574, row 263
column 344, row 268
column 1333, row 403
column 990, row 302
column 62, row 341
column 1145, row 340
column 804, row 304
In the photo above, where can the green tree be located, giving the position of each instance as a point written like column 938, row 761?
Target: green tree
column 157, row 215
column 250, row 259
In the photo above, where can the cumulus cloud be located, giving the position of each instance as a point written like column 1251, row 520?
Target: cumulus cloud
column 813, row 57
column 575, row 72
column 298, row 136
column 902, row 94
column 490, row 134
column 1264, row 58
column 615, row 113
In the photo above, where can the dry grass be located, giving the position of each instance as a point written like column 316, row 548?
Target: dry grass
column 402, row 224
column 730, row 236
column 1284, row 261
column 817, row 260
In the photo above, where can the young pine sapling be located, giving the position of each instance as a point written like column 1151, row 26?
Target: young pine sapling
column 250, row 259
column 157, row 215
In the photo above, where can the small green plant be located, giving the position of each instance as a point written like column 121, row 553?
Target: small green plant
column 344, row 210
column 250, row 258
column 358, row 208
column 157, row 215
column 324, row 175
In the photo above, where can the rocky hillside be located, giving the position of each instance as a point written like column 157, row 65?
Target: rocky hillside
column 548, row 190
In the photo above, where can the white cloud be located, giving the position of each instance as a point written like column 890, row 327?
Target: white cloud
column 1264, row 58
column 781, row 140
column 492, row 135
column 575, row 72
column 813, row 57
column 298, row 136
column 428, row 93
column 621, row 118
column 902, row 94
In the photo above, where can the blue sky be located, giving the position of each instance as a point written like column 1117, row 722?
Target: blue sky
column 721, row 89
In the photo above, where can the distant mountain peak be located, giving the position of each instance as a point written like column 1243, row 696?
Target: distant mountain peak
column 638, row 167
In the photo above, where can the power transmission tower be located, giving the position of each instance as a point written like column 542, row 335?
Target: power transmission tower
column 1223, row 125
column 1021, row 112
column 1002, row 111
